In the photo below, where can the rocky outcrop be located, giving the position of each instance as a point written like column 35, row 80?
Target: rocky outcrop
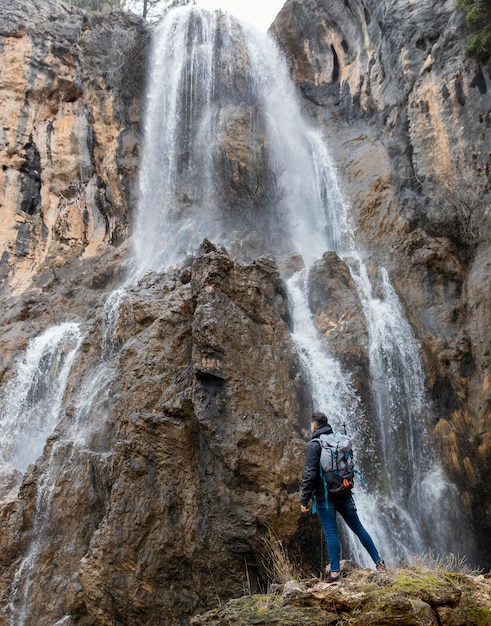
column 407, row 113
column 152, row 510
column 416, row 597
column 339, row 317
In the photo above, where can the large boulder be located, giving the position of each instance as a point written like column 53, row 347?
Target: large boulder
column 175, row 451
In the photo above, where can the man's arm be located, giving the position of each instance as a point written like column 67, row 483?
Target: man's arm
column 310, row 473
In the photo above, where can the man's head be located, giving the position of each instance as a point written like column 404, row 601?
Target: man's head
column 317, row 420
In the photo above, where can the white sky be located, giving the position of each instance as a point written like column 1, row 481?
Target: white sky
column 260, row 13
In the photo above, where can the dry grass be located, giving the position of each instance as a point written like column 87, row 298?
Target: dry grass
column 445, row 563
column 276, row 562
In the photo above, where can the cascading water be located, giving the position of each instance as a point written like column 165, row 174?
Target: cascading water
column 330, row 387
column 395, row 509
column 171, row 120
column 42, row 376
column 112, row 308
column 285, row 186
column 414, row 474
column 31, row 407
column 31, row 402
column 224, row 151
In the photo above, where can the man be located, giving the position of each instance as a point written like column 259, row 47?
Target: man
column 313, row 488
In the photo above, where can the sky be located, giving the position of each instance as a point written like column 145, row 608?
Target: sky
column 259, row 13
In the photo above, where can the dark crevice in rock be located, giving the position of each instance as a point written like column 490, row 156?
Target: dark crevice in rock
column 335, row 68
column 479, row 80
column 31, row 182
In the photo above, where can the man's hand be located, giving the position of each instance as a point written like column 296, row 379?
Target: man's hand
column 304, row 509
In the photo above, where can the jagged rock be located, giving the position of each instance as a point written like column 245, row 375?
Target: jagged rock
column 292, row 586
column 338, row 315
column 10, row 479
column 173, row 486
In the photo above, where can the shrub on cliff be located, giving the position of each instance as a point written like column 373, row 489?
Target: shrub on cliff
column 478, row 18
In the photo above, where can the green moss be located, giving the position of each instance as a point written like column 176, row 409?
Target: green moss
column 478, row 613
column 365, row 598
column 267, row 610
column 413, row 581
column 480, row 616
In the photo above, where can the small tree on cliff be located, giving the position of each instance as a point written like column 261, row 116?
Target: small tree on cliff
column 151, row 9
column 478, row 18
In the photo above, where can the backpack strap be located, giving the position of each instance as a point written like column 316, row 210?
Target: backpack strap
column 360, row 476
column 324, row 482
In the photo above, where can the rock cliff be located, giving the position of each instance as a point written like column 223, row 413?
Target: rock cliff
column 407, row 114
column 71, row 116
column 184, row 420
column 148, row 500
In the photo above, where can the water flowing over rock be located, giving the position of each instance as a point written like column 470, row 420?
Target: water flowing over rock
column 406, row 112
column 176, row 439
column 143, row 474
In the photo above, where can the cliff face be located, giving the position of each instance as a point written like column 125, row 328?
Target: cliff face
column 184, row 421
column 71, row 114
column 407, row 114
column 142, row 506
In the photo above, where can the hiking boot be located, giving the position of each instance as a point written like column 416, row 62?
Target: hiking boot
column 380, row 567
column 331, row 580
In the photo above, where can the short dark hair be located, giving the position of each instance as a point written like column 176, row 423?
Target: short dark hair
column 319, row 418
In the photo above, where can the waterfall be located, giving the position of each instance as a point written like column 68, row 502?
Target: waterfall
column 69, row 454
column 223, row 114
column 41, row 378
column 225, row 149
column 31, row 402
column 31, row 407
column 179, row 138
column 331, row 389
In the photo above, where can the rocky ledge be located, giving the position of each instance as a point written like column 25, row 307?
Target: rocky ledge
column 415, row 596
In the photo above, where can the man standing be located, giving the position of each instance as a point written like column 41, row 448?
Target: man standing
column 313, row 488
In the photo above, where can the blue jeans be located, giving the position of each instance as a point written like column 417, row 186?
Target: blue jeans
column 347, row 509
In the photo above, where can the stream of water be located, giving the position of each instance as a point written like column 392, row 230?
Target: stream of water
column 34, row 404
column 32, row 401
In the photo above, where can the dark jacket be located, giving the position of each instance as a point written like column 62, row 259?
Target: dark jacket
column 312, row 483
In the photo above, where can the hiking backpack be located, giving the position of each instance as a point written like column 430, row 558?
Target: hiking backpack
column 336, row 463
